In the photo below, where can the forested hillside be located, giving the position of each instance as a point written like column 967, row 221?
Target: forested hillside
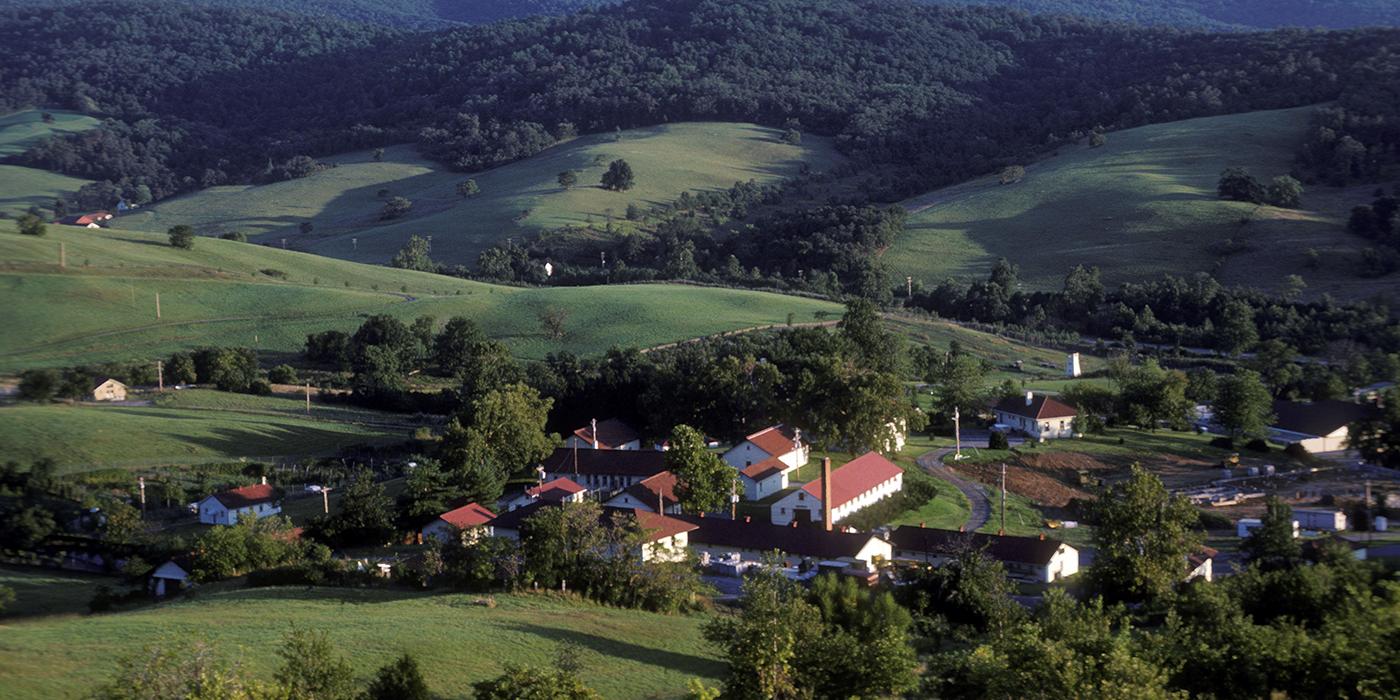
column 941, row 93
column 1214, row 14
column 410, row 14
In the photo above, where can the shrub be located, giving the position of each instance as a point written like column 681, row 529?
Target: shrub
column 1297, row 451
column 282, row 374
column 182, row 237
column 238, row 236
column 997, row 441
column 1257, row 445
column 273, row 272
column 1223, row 443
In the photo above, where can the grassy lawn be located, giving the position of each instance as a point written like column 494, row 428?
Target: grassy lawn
column 631, row 654
column 102, row 308
column 44, row 592
column 1124, row 444
column 343, row 203
column 80, row 437
column 1142, row 205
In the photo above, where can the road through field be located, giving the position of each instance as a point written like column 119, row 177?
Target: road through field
column 932, row 462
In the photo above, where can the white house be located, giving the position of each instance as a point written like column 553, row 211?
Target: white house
column 1201, row 564
column 1037, row 415
column 1323, row 519
column 604, row 472
column 864, row 480
column 558, row 490
column 722, row 538
column 1244, row 527
column 766, row 459
column 1035, row 559
column 1319, row 426
column 664, row 538
column 649, row 494
column 611, row 434
column 226, row 508
column 109, row 390
column 472, row 519
column 169, row 578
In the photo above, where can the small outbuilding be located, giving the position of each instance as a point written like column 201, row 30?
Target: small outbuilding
column 170, row 578
column 109, row 389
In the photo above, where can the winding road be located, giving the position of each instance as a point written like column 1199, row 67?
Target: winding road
column 932, row 462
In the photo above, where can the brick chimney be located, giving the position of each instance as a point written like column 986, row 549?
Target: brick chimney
column 826, row 493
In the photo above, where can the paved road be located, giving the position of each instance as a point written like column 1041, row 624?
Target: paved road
column 932, row 462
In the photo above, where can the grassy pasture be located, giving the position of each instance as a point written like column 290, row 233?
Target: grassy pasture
column 629, row 654
column 20, row 187
column 343, row 203
column 86, row 436
column 102, row 306
column 1140, row 206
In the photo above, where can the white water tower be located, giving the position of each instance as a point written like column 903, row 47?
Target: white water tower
column 1072, row 365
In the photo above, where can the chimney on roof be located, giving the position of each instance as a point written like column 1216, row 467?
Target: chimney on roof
column 794, row 522
column 264, row 480
column 921, row 524
column 826, row 493
column 748, row 518
column 593, row 424
column 1030, row 397
column 1042, row 537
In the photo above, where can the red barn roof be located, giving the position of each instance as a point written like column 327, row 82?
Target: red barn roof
column 468, row 516
column 246, row 496
column 759, row 471
column 647, row 490
column 854, row 478
column 611, row 433
column 777, row 440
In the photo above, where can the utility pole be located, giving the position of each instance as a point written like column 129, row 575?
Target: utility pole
column 157, row 306
column 308, row 398
column 957, row 435
column 62, row 256
column 1002, row 531
column 142, row 481
column 160, row 376
column 909, row 286
column 325, row 500
column 354, row 244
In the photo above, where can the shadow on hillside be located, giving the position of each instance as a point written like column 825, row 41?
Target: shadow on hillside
column 687, row 664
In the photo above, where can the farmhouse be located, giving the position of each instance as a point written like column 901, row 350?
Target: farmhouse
column 766, row 459
column 721, row 538
column 1037, row 415
column 665, row 538
column 650, row 494
column 472, row 519
column 611, row 434
column 605, row 472
column 170, row 578
column 559, row 490
column 1319, row 426
column 96, row 219
column 109, row 389
column 862, row 481
column 226, row 508
column 1034, row 559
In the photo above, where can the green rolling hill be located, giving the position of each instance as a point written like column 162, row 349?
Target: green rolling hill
column 20, row 187
column 101, row 307
column 1142, row 205
column 343, row 203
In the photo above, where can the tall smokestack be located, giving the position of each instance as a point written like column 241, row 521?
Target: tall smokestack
column 826, row 493
column 1030, row 398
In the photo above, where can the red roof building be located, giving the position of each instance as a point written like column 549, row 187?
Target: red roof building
column 858, row 483
column 556, row 491
column 610, row 434
column 470, row 519
column 1037, row 415
column 649, row 494
column 766, row 459
column 225, row 508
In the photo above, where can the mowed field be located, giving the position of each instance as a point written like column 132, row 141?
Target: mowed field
column 626, row 653
column 102, row 306
column 20, row 187
column 188, row 427
column 1140, row 206
column 343, row 203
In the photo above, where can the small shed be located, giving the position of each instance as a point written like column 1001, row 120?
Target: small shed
column 169, row 578
column 109, row 389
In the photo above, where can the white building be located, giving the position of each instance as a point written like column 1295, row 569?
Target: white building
column 1244, row 527
column 766, row 460
column 1323, row 519
column 867, row 479
column 1035, row 559
column 226, row 508
column 109, row 390
column 559, row 490
column 1319, row 426
column 611, row 434
column 1201, row 565
column 722, row 538
column 655, row 494
column 169, row 578
column 472, row 519
column 1037, row 415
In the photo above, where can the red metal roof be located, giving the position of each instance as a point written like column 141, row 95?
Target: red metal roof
column 762, row 470
column 1041, row 407
column 468, row 516
column 658, row 526
column 611, row 433
column 647, row 490
column 776, row 441
column 855, row 477
column 556, row 490
column 246, row 496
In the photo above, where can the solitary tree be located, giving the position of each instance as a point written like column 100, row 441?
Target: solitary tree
column 395, row 208
column 792, row 136
column 1243, row 405
column 1143, row 534
column 1285, row 192
column 1012, row 174
column 619, row 177
column 414, row 255
column 468, row 188
column 1097, row 139
column 182, row 236
column 704, row 482
column 568, row 179
column 378, row 155
column 1272, row 545
column 400, row 680
column 1238, row 185
column 552, row 319
column 32, row 225
column 311, row 670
